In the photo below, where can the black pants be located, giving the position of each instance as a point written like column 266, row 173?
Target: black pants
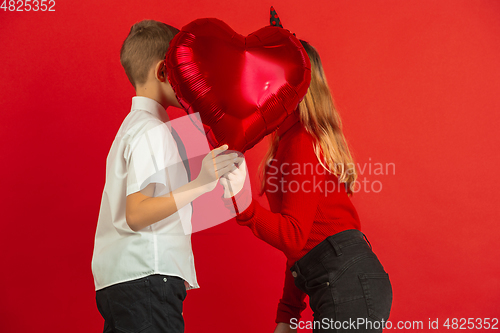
column 349, row 290
column 148, row 305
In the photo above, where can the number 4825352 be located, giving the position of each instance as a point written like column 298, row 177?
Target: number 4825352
column 28, row 5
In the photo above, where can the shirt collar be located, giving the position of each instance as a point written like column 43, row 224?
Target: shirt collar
column 151, row 106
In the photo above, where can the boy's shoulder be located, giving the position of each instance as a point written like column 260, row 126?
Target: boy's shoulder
column 139, row 123
column 142, row 128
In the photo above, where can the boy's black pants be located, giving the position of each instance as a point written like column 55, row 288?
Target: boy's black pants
column 148, row 305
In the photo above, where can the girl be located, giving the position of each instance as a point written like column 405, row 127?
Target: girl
column 308, row 173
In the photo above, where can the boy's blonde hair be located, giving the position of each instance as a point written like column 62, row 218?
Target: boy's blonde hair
column 146, row 44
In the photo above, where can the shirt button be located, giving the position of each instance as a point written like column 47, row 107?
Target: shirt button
column 164, row 279
column 294, row 274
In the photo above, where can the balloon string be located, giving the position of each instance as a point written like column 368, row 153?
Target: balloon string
column 232, row 196
column 227, row 179
column 195, row 125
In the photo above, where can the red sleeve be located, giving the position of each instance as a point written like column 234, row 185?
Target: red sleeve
column 238, row 203
column 289, row 229
column 292, row 302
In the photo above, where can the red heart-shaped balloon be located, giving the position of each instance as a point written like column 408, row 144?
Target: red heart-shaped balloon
column 242, row 87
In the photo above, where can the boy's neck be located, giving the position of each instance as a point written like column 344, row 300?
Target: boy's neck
column 159, row 92
column 149, row 93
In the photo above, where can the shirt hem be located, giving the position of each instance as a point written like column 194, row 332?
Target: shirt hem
column 191, row 285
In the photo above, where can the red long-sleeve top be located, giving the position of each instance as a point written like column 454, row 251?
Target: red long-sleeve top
column 307, row 205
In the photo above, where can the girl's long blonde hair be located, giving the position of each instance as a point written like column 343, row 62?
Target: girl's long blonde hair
column 319, row 116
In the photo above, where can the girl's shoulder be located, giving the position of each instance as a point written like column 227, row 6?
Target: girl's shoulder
column 297, row 135
column 297, row 143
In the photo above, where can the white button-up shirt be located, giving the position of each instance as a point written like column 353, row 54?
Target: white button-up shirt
column 142, row 153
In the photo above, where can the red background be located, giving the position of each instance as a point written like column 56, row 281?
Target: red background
column 416, row 83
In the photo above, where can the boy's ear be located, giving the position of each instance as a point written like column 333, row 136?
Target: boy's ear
column 161, row 71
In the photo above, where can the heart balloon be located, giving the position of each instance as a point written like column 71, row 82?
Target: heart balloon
column 242, row 87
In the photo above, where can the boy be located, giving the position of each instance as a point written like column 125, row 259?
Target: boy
column 143, row 261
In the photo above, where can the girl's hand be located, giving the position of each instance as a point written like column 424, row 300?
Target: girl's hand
column 214, row 166
column 234, row 181
column 284, row 328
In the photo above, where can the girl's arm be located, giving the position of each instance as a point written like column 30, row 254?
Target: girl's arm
column 292, row 302
column 284, row 328
column 289, row 229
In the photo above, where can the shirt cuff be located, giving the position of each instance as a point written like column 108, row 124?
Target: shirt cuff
column 286, row 312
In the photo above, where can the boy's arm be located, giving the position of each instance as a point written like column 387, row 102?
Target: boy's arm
column 142, row 209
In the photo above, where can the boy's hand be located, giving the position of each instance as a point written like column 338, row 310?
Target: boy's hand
column 214, row 166
column 234, row 178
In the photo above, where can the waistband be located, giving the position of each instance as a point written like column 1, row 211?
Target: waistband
column 333, row 243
